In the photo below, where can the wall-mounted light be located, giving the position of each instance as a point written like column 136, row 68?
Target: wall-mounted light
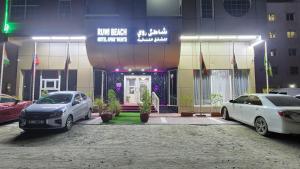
column 220, row 37
column 117, row 70
column 129, row 70
column 155, row 70
column 59, row 38
column 143, row 70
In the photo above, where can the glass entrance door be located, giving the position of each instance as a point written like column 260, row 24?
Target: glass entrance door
column 134, row 88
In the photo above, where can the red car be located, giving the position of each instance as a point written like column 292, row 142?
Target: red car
column 10, row 108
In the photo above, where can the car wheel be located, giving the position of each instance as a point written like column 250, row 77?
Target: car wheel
column 69, row 123
column 225, row 113
column 89, row 115
column 261, row 126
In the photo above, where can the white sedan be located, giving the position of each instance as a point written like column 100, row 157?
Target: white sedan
column 266, row 112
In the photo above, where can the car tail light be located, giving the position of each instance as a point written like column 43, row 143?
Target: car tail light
column 281, row 114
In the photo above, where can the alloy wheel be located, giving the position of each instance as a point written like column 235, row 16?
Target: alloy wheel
column 261, row 126
column 69, row 123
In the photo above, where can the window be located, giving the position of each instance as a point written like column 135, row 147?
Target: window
column 272, row 35
column 284, row 101
column 294, row 70
column 102, row 7
column 207, row 8
column 254, row 100
column 219, row 82
column 23, row 9
column 291, row 34
column 273, row 52
column 241, row 100
column 292, row 51
column 163, row 7
column 64, row 9
column 237, row 8
column 290, row 16
column 271, row 17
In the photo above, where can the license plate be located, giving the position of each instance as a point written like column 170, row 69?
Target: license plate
column 36, row 121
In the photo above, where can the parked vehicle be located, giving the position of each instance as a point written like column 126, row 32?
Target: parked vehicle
column 10, row 108
column 266, row 112
column 55, row 111
column 286, row 91
column 298, row 96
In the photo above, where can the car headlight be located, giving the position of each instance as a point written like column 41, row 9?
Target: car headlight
column 23, row 112
column 55, row 114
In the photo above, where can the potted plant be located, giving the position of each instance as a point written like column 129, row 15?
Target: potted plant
column 106, row 116
column 117, row 108
column 99, row 106
column 216, row 100
column 186, row 104
column 112, row 107
column 145, row 107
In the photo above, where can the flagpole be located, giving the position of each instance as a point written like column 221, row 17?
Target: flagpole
column 233, row 85
column 2, row 65
column 200, row 77
column 34, row 71
column 266, row 66
column 67, row 71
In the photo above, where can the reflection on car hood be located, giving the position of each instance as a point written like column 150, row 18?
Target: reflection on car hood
column 45, row 107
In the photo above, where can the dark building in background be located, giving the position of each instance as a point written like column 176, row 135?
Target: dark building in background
column 282, row 32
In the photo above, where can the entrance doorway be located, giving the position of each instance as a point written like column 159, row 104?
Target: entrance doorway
column 134, row 88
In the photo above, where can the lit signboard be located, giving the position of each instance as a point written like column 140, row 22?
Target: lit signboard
column 153, row 36
column 112, row 35
column 124, row 35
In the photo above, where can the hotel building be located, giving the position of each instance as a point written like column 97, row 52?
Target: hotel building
column 184, row 52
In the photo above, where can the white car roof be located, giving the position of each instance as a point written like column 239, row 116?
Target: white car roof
column 265, row 95
column 66, row 92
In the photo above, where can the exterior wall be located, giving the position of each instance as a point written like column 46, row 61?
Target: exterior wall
column 217, row 55
column 52, row 56
column 222, row 22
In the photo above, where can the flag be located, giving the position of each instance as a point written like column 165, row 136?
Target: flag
column 204, row 70
column 35, row 62
column 67, row 63
column 233, row 62
column 268, row 67
column 6, row 61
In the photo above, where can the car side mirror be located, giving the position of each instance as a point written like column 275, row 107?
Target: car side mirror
column 232, row 101
column 75, row 102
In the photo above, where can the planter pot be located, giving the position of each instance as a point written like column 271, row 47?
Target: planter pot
column 144, row 117
column 117, row 113
column 215, row 114
column 106, row 117
column 186, row 114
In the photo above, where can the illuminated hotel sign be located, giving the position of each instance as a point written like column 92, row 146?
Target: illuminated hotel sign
column 112, row 35
column 153, row 36
column 123, row 35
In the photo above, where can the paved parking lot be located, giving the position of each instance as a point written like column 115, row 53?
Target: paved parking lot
column 147, row 146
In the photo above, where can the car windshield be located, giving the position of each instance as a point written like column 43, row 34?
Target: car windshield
column 56, row 99
column 6, row 99
column 284, row 101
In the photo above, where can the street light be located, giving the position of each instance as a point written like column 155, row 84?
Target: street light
column 266, row 62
